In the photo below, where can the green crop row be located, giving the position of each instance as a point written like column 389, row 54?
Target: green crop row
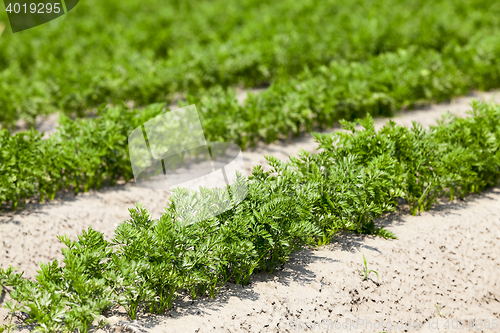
column 359, row 175
column 114, row 51
column 87, row 152
column 348, row 90
column 84, row 153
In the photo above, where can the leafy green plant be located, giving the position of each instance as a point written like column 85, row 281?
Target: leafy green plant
column 384, row 233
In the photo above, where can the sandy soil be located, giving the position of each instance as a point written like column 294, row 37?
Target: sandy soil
column 447, row 258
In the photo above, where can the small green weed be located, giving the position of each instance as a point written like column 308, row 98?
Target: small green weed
column 366, row 271
column 439, row 310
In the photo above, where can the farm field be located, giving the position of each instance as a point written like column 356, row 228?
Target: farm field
column 306, row 273
column 70, row 214
column 341, row 111
column 322, row 60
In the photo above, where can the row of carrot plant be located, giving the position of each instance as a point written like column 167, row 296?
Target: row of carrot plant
column 149, row 52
